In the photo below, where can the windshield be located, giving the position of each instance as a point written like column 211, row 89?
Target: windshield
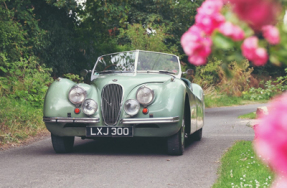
column 119, row 62
column 142, row 61
column 149, row 61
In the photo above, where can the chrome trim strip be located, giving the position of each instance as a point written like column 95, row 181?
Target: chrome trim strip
column 150, row 120
column 70, row 120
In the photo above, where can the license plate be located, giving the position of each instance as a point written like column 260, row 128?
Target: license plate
column 109, row 131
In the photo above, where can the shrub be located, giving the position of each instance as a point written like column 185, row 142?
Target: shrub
column 208, row 75
column 137, row 37
column 74, row 77
column 25, row 80
column 231, row 80
column 238, row 81
column 270, row 89
column 18, row 120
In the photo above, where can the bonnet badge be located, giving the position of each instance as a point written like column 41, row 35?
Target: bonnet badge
column 114, row 80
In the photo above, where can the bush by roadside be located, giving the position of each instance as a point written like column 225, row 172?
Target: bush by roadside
column 18, row 121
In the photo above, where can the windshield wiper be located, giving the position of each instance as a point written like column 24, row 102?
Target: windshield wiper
column 107, row 71
column 166, row 72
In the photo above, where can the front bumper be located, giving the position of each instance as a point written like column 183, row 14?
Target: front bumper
column 123, row 121
column 143, row 127
column 70, row 120
column 150, row 120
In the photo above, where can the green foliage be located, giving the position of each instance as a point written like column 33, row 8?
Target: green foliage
column 138, row 38
column 222, row 42
column 241, row 168
column 208, row 75
column 251, row 115
column 101, row 22
column 212, row 100
column 19, row 32
column 237, row 80
column 74, row 77
column 270, row 89
column 63, row 50
column 18, row 120
column 24, row 80
column 231, row 80
column 177, row 16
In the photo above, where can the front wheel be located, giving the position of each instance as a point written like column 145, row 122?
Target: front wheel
column 175, row 143
column 62, row 144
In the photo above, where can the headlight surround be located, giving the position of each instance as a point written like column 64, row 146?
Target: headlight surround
column 145, row 95
column 132, row 107
column 77, row 95
column 89, row 107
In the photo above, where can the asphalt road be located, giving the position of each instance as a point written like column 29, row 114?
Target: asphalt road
column 126, row 162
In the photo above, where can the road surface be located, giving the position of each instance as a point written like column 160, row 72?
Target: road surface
column 128, row 163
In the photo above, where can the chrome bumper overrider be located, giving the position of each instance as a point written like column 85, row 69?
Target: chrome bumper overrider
column 150, row 120
column 70, row 120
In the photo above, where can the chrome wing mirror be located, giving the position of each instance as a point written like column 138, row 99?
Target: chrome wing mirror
column 84, row 72
column 189, row 72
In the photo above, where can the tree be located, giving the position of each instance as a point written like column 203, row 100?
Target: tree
column 102, row 20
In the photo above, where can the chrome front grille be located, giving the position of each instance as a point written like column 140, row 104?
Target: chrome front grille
column 112, row 96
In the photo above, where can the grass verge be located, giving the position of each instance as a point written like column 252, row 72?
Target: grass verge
column 251, row 115
column 18, row 121
column 221, row 100
column 225, row 100
column 241, row 168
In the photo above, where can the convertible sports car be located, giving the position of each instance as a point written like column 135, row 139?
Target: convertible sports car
column 132, row 94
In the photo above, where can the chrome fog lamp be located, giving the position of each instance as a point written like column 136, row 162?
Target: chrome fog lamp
column 132, row 107
column 145, row 95
column 77, row 95
column 89, row 107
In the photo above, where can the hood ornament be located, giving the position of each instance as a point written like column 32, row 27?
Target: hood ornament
column 114, row 80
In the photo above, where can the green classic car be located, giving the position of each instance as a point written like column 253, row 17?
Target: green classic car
column 132, row 94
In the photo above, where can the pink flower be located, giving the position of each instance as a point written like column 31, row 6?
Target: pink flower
column 232, row 31
column 208, row 15
column 271, row 139
column 196, row 45
column 250, row 50
column 271, row 34
column 210, row 7
column 209, row 23
column 197, row 60
column 190, row 39
column 256, row 12
column 260, row 57
column 279, row 182
column 249, row 46
column 254, row 128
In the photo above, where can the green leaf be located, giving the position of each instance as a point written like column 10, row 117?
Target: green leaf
column 222, row 42
column 3, row 69
column 275, row 60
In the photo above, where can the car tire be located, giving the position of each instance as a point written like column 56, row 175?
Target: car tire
column 62, row 144
column 175, row 143
column 196, row 136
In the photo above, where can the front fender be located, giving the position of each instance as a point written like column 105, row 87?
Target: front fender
column 169, row 101
column 57, row 103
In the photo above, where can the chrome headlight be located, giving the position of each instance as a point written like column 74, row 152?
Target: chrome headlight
column 90, row 107
column 132, row 107
column 77, row 95
column 145, row 95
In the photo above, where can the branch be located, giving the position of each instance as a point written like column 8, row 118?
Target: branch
column 5, row 5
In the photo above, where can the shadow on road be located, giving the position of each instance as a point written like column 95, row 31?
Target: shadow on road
column 124, row 146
